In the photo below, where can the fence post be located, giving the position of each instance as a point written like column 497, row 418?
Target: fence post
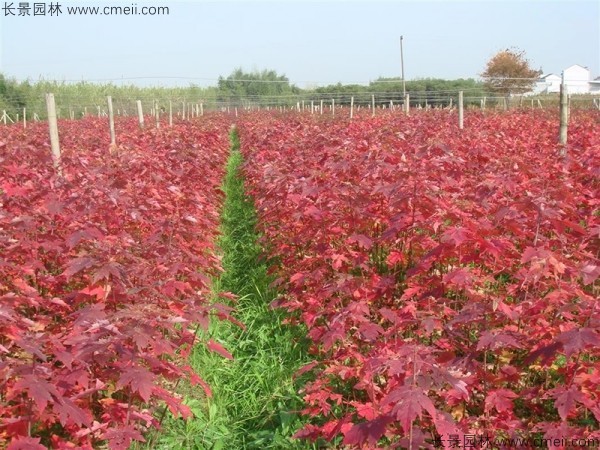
column 564, row 118
column 111, row 121
column 140, row 113
column 407, row 104
column 460, row 110
column 373, row 105
column 333, row 107
column 351, row 107
column 24, row 118
column 157, row 112
column 53, row 129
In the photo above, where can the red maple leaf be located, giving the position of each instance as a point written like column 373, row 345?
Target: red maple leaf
column 577, row 339
column 408, row 404
column 140, row 379
column 25, row 443
column 369, row 432
column 218, row 348
column 500, row 399
column 39, row 390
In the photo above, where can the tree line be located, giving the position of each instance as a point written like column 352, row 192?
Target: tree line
column 506, row 73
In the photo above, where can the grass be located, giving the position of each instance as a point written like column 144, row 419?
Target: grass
column 255, row 400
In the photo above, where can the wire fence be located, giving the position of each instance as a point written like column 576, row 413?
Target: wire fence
column 73, row 106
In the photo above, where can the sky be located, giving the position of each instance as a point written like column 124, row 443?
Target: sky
column 313, row 43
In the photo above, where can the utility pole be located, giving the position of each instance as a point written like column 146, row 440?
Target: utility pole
column 402, row 65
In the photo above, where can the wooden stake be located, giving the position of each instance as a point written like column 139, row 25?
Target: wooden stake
column 564, row 119
column 53, row 129
column 351, row 107
column 321, row 107
column 24, row 118
column 201, row 109
column 333, row 107
column 460, row 110
column 6, row 117
column 111, row 121
column 407, row 104
column 373, row 104
column 140, row 113
column 157, row 113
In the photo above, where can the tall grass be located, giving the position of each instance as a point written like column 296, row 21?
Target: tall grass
column 255, row 399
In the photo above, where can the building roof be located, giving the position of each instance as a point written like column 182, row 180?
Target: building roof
column 577, row 65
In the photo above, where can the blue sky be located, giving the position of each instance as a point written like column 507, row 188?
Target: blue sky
column 311, row 42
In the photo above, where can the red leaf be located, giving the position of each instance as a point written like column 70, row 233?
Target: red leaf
column 394, row 258
column 446, row 427
column 495, row 341
column 500, row 399
column 68, row 412
column 121, row 438
column 546, row 352
column 366, row 410
column 216, row 347
column 363, row 241
column 565, row 400
column 140, row 379
column 39, row 390
column 590, row 272
column 409, row 403
column 369, row 432
column 456, row 236
column 577, row 339
column 77, row 265
column 460, row 277
column 25, row 443
column 370, row 331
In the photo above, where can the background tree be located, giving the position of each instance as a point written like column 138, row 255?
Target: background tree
column 13, row 96
column 508, row 72
column 240, row 85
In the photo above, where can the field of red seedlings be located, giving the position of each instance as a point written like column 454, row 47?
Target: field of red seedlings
column 448, row 279
column 102, row 274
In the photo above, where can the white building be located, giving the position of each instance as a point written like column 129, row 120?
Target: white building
column 547, row 84
column 577, row 79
